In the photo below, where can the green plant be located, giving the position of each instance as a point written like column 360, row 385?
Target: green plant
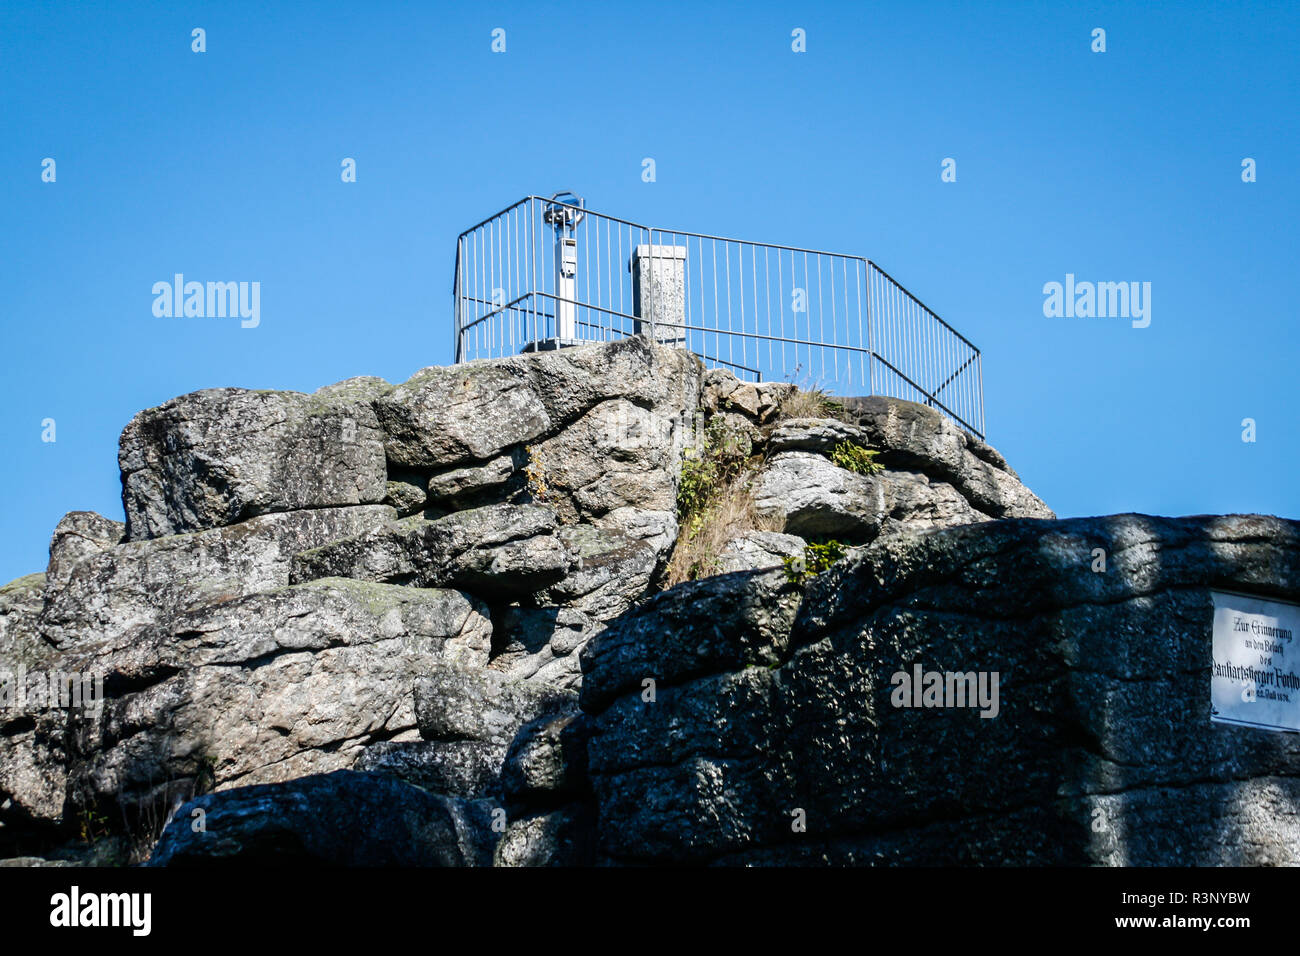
column 710, row 468
column 715, row 501
column 695, row 488
column 815, row 559
column 854, row 457
column 813, row 402
column 91, row 825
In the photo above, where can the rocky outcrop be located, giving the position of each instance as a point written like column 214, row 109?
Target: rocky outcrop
column 392, row 579
column 544, row 780
column 756, row 402
column 758, row 551
column 445, row 417
column 916, row 438
column 80, row 535
column 262, row 689
column 505, row 549
column 810, row 496
column 936, row 476
column 21, row 602
column 268, row 688
column 425, row 624
column 782, row 745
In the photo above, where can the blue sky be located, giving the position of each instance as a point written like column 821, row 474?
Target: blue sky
column 1115, row 166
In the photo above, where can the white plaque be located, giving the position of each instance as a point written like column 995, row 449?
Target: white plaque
column 1255, row 677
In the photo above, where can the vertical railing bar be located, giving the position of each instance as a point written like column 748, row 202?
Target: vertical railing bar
column 610, row 273
column 726, row 256
column 767, row 297
column 508, row 294
column 780, row 283
column 821, row 319
column 848, row 326
column 835, row 327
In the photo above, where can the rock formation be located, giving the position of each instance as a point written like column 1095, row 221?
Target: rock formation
column 427, row 624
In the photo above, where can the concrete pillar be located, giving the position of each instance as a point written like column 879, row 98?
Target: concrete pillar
column 659, row 292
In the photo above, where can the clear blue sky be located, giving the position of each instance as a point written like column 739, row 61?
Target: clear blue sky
column 225, row 165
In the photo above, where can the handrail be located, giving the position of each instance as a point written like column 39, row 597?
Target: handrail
column 786, row 310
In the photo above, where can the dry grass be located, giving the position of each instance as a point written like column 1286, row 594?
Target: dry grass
column 703, row 536
column 716, row 492
column 814, row 402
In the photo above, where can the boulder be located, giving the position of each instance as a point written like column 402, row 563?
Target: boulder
column 815, row 434
column 33, row 778
column 473, row 413
column 759, row 402
column 338, row 819
column 547, row 760
column 759, row 551
column 473, row 715
column 561, row 837
column 460, row 768
column 80, row 535
column 454, row 703
column 219, row 456
column 616, row 455
column 453, row 416
column 916, row 438
column 456, row 487
column 539, row 644
column 738, row 620
column 21, row 602
column 611, row 572
column 809, row 496
column 407, row 491
column 544, row 780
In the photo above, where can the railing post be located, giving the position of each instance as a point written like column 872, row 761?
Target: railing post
column 456, row 296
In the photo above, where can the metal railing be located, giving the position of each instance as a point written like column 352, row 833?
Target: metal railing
column 762, row 311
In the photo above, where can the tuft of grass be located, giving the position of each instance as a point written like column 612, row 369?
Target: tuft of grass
column 701, row 539
column 715, row 502
column 814, row 402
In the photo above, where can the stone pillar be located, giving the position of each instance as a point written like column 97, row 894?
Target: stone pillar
column 659, row 292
